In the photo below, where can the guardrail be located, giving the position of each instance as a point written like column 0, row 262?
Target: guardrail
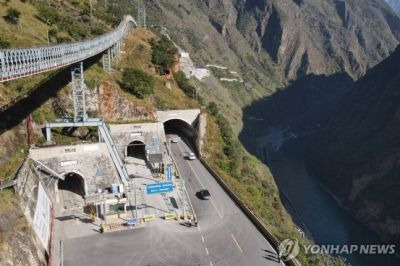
column 253, row 218
column 18, row 63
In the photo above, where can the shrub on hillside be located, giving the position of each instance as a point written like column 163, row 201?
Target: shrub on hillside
column 137, row 82
column 47, row 14
column 163, row 53
column 4, row 43
column 232, row 149
column 12, row 15
column 184, row 84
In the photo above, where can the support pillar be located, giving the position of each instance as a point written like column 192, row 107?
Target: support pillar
column 107, row 60
column 78, row 93
column 48, row 133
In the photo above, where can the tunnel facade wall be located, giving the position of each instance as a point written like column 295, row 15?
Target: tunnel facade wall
column 151, row 134
column 91, row 161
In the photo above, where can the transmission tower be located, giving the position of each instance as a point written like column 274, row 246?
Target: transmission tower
column 78, row 93
column 141, row 17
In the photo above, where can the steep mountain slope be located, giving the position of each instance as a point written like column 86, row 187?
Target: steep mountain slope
column 302, row 36
column 395, row 4
column 359, row 161
column 320, row 37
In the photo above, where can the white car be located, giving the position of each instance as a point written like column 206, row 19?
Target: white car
column 191, row 156
column 174, row 140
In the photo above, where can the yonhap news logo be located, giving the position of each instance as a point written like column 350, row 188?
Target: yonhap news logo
column 290, row 248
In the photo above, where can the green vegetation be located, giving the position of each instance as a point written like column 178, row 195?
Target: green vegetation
column 163, row 55
column 9, row 168
column 184, row 84
column 137, row 82
column 12, row 15
column 47, row 14
column 231, row 148
column 222, row 73
column 4, row 43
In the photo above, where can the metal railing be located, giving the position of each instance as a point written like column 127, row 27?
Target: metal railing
column 18, row 63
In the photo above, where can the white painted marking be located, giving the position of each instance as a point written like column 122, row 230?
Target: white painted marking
column 210, row 263
column 237, row 244
column 202, row 238
column 135, row 134
column 201, row 184
column 65, row 163
column 207, row 252
column 215, row 207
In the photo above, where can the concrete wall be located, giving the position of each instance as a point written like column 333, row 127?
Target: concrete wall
column 123, row 134
column 201, row 132
column 189, row 116
column 91, row 161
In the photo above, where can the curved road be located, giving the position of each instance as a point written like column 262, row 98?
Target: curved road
column 224, row 236
column 231, row 238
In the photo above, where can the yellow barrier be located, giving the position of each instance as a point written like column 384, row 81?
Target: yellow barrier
column 151, row 217
column 115, row 225
column 169, row 216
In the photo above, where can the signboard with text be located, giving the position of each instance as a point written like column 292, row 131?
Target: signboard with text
column 162, row 187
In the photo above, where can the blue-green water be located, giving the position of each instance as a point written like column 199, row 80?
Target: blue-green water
column 316, row 211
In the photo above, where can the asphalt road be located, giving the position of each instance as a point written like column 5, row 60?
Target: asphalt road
column 224, row 235
column 230, row 237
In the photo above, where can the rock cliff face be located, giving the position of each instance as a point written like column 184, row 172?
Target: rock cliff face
column 20, row 247
column 360, row 158
column 307, row 36
column 115, row 107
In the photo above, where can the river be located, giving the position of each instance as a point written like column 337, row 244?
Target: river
column 315, row 210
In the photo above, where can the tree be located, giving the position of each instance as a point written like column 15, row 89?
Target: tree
column 137, row 82
column 12, row 15
column 163, row 55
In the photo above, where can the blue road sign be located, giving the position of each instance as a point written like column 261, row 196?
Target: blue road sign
column 169, row 172
column 131, row 221
column 162, row 187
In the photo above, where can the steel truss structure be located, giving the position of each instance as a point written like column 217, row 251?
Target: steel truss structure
column 18, row 63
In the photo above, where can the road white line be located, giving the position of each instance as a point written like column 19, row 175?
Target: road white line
column 198, row 227
column 237, row 244
column 215, row 207
column 201, row 184
column 210, row 263
column 202, row 238
column 207, row 252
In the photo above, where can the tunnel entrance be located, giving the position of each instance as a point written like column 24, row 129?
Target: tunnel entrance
column 72, row 190
column 136, row 149
column 184, row 130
